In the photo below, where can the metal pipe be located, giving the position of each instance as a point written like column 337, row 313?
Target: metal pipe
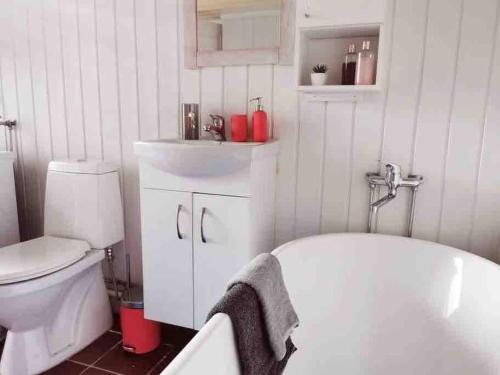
column 11, row 141
column 412, row 210
column 370, row 211
column 110, row 257
column 375, row 206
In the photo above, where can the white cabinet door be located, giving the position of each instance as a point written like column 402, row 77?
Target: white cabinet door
column 222, row 246
column 167, row 255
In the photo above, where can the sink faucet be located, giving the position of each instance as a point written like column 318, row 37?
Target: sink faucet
column 216, row 128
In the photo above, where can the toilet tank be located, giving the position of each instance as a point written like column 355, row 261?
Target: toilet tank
column 9, row 225
column 83, row 201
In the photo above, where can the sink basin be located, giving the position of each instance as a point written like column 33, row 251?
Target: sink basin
column 203, row 157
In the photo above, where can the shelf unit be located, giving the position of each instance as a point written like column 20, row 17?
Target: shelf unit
column 328, row 45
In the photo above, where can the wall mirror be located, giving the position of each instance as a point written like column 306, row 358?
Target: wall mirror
column 238, row 32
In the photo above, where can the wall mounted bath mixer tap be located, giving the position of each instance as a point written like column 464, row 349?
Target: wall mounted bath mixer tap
column 216, row 128
column 393, row 180
column 9, row 124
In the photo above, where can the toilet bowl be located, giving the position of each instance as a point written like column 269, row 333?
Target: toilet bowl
column 53, row 299
column 51, row 317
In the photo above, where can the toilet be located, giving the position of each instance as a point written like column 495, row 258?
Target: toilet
column 53, row 300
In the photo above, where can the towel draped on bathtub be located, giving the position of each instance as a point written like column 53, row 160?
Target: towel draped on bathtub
column 262, row 315
column 264, row 275
column 256, row 357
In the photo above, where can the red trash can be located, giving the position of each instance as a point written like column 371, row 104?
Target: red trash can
column 139, row 335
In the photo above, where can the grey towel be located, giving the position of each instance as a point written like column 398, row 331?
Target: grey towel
column 256, row 357
column 264, row 275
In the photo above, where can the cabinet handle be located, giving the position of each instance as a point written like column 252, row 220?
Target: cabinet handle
column 179, row 208
column 203, row 239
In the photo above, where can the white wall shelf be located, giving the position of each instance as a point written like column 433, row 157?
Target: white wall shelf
column 339, row 88
column 328, row 45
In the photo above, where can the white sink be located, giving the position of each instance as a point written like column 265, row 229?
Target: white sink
column 202, row 158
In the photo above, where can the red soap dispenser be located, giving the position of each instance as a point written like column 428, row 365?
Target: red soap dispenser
column 259, row 122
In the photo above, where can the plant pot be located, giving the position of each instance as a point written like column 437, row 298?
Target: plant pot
column 318, row 79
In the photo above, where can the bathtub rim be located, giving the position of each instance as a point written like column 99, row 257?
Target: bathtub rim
column 452, row 250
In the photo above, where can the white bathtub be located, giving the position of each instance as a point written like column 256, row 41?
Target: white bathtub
column 374, row 304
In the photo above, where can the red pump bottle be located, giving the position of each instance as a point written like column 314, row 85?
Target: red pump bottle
column 259, row 122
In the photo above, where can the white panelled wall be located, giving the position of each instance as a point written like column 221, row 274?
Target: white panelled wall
column 85, row 78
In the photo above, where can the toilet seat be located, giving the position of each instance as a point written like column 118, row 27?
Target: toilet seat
column 39, row 257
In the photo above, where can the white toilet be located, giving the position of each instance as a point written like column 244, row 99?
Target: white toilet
column 53, row 300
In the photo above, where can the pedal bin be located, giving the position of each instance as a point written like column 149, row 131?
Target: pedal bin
column 139, row 334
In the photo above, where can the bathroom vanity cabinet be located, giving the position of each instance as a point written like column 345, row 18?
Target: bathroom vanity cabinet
column 198, row 231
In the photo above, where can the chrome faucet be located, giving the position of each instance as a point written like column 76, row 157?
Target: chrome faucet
column 393, row 179
column 9, row 124
column 216, row 128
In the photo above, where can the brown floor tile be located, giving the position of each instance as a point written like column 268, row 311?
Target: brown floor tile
column 162, row 364
column 95, row 371
column 95, row 350
column 66, row 368
column 132, row 364
column 176, row 336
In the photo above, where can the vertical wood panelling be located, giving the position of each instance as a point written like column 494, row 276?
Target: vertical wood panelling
column 310, row 168
column 366, row 142
column 147, row 68
column 109, row 94
column 466, row 126
column 56, row 90
column 10, row 107
column 40, row 93
column 168, row 68
column 4, row 49
column 3, row 132
column 27, row 125
column 433, row 112
column 189, row 79
column 68, row 18
column 485, row 235
column 89, row 77
column 337, row 167
column 286, row 109
column 211, row 91
column 107, row 68
column 126, row 64
column 403, row 95
column 235, row 93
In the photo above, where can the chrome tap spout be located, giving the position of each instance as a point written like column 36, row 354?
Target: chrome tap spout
column 216, row 128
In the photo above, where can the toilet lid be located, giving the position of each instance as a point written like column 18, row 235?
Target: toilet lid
column 39, row 257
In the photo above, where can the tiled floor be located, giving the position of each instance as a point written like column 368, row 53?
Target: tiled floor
column 105, row 355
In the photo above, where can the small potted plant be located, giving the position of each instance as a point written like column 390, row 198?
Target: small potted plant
column 318, row 75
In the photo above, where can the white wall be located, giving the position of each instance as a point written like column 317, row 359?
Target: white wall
column 88, row 78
